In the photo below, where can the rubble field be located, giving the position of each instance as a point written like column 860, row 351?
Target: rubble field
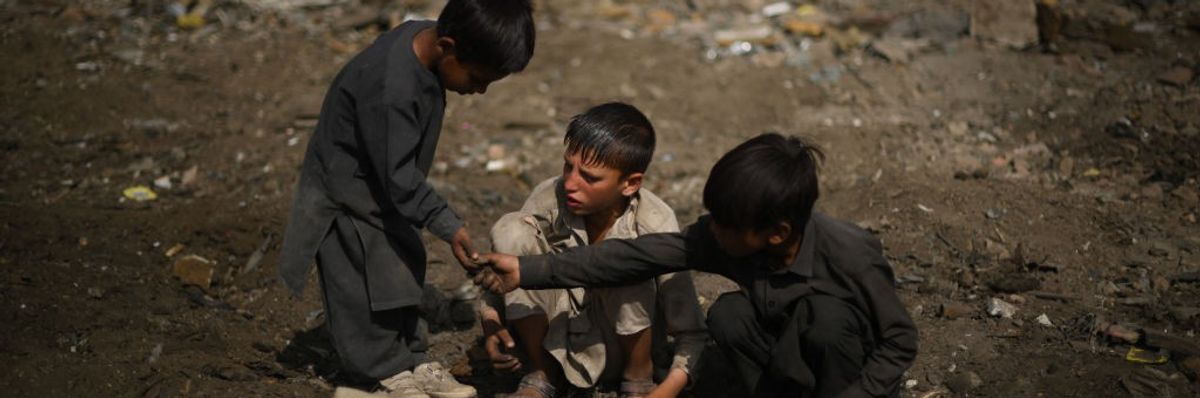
column 1030, row 167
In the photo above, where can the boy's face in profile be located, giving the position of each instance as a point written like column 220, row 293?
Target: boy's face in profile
column 464, row 78
column 739, row 242
column 593, row 188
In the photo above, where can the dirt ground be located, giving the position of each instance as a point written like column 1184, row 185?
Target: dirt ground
column 1059, row 176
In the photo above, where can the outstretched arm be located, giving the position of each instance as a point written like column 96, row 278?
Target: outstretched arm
column 608, row 263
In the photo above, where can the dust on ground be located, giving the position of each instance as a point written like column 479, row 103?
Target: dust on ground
column 1043, row 155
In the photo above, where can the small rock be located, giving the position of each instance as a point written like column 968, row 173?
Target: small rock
column 1178, row 76
column 755, row 34
column 964, row 382
column 933, row 379
column 235, row 373
column 1010, row 23
column 95, row 292
column 1014, row 284
column 194, row 270
column 154, row 354
column 1122, row 128
column 496, row 151
column 776, row 9
column 1044, row 320
column 1160, row 249
column 897, row 50
column 189, row 176
column 956, row 310
column 1000, row 308
column 995, row 249
column 992, row 214
column 87, row 66
column 163, row 182
column 958, row 128
column 910, row 384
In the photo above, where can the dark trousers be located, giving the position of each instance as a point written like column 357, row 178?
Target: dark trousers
column 818, row 354
column 372, row 345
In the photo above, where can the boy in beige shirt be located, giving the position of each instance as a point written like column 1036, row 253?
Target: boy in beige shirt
column 585, row 336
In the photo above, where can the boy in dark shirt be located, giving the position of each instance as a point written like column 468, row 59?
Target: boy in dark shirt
column 362, row 196
column 817, row 313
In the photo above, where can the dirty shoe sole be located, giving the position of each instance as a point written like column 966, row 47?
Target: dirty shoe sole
column 347, row 392
column 463, row 394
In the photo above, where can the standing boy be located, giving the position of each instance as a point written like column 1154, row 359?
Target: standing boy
column 362, row 195
column 585, row 336
column 817, row 313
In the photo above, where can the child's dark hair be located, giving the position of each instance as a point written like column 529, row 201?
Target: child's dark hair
column 615, row 135
column 764, row 181
column 497, row 34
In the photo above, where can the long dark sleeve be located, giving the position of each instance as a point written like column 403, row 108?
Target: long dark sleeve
column 396, row 134
column 608, row 263
column 617, row 262
column 897, row 347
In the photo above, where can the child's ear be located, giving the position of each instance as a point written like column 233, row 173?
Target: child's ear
column 446, row 45
column 633, row 183
column 780, row 233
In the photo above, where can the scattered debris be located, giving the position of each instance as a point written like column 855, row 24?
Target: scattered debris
column 194, row 270
column 139, row 193
column 173, row 250
column 956, row 310
column 163, row 182
column 760, row 34
column 1000, row 308
column 1139, row 355
column 154, row 354
column 197, row 296
column 256, row 257
column 1044, row 320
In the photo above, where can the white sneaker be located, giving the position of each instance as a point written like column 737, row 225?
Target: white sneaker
column 433, row 379
column 403, row 385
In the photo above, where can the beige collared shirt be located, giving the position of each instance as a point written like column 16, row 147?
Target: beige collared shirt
column 544, row 225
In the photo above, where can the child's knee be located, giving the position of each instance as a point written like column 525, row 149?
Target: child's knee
column 832, row 323
column 729, row 316
column 630, row 308
column 513, row 234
